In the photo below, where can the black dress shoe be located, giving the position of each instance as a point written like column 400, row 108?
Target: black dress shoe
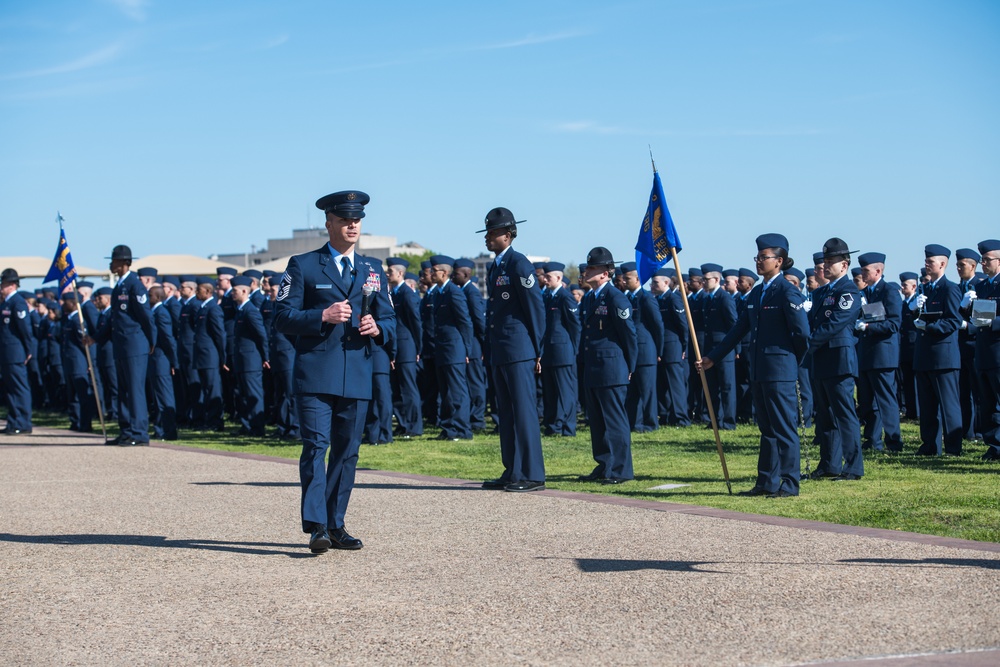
column 614, row 480
column 495, row 484
column 755, row 491
column 340, row 539
column 19, row 431
column 129, row 442
column 992, row 454
column 846, row 477
column 320, row 542
column 524, row 486
column 113, row 442
column 782, row 493
column 819, row 474
column 592, row 477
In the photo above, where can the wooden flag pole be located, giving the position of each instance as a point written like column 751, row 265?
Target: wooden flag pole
column 701, row 372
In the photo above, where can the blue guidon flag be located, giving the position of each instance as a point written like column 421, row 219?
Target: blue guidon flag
column 657, row 234
column 62, row 268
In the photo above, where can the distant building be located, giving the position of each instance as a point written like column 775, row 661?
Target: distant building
column 305, row 240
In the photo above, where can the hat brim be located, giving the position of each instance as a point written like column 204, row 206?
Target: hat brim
column 508, row 224
column 838, row 254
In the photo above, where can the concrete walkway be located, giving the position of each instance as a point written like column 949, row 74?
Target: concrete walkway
column 168, row 556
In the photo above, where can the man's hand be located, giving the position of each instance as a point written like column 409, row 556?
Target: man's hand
column 538, row 366
column 339, row 312
column 368, row 326
column 267, row 364
column 27, row 360
column 860, row 325
column 392, row 364
column 87, row 341
column 920, row 324
column 225, row 368
column 704, row 364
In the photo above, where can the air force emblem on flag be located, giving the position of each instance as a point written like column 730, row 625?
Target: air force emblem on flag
column 623, row 312
column 528, row 282
column 284, row 287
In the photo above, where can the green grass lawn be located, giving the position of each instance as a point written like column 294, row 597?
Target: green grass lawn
column 948, row 496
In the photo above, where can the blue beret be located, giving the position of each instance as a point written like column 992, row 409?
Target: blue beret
column 242, row 281
column 253, row 273
column 711, row 268
column 464, row 263
column 410, row 276
column 967, row 253
column 772, row 241
column 695, row 273
column 871, row 258
column 554, row 266
column 628, row 267
column 103, row 291
column 810, row 272
column 748, row 273
column 397, row 261
column 730, row 273
column 795, row 272
column 936, row 250
column 989, row 245
column 172, row 280
column 146, row 272
column 908, row 275
column 442, row 259
column 426, row 264
column 347, row 204
column 85, row 283
column 188, row 278
column 818, row 257
column 226, row 271
column 856, row 271
column 663, row 273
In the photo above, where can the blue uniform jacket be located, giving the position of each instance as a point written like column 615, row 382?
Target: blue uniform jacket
column 15, row 330
column 132, row 332
column 106, row 349
column 74, row 358
column 987, row 338
column 561, row 341
column 185, row 332
column 409, row 328
column 427, row 323
column 332, row 358
column 250, row 349
column 515, row 314
column 209, row 334
column 53, row 337
column 280, row 350
column 648, row 327
column 907, row 331
column 832, row 341
column 719, row 314
column 878, row 345
column 164, row 355
column 610, row 348
column 452, row 325
column 477, row 313
column 675, row 326
column 778, row 330
column 936, row 348
column 228, row 321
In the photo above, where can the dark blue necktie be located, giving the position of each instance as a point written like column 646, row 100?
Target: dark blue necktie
column 345, row 274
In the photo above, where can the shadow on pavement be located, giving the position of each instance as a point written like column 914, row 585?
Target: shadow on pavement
column 603, row 565
column 984, row 563
column 248, row 548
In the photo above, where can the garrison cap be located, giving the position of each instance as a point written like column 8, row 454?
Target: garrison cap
column 410, row 276
column 206, row 280
column 464, row 263
column 268, row 273
column 663, row 273
column 500, row 217
column 347, row 204
column 765, row 241
column 581, row 268
column 629, row 267
column 147, row 272
column 695, row 272
column 908, row 275
column 711, row 268
column 25, row 294
column 442, row 259
column 967, row 253
column 103, row 291
column 242, row 281
column 172, row 280
column 836, row 247
column 748, row 273
column 554, row 266
column 936, row 250
column 795, row 272
column 989, row 245
column 685, row 277
column 187, row 278
column 426, row 264
column 599, row 256
column 730, row 273
column 818, row 257
column 226, row 271
column 121, row 252
column 253, row 273
column 871, row 258
column 538, row 265
column 397, row 261
column 810, row 272
column 84, row 283
column 856, row 271
column 576, row 287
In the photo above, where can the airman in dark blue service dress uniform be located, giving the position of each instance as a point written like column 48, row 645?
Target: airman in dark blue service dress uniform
column 640, row 399
column 409, row 338
column 610, row 353
column 779, row 338
column 336, row 304
column 16, row 342
column 162, row 366
column 936, row 357
column 452, row 347
column 515, row 320
column 718, row 317
column 133, row 335
column 987, row 345
column 250, row 358
column 210, row 344
column 835, row 367
column 560, row 345
column 475, row 370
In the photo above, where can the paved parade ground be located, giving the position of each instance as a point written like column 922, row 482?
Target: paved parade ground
column 166, row 555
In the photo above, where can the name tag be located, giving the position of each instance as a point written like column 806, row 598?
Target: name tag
column 324, row 286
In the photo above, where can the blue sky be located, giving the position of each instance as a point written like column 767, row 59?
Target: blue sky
column 194, row 127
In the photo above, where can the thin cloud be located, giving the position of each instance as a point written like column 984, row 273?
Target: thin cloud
column 277, row 41
column 134, row 9
column 529, row 40
column 95, row 59
column 592, row 127
column 588, row 127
